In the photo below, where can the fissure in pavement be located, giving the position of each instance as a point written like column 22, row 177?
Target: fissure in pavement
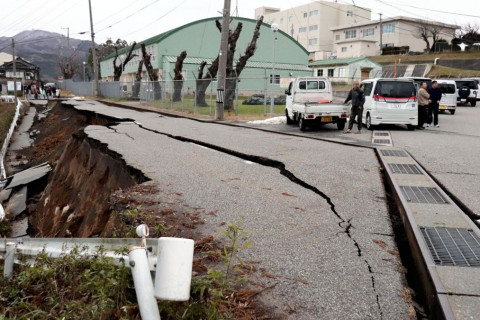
column 345, row 225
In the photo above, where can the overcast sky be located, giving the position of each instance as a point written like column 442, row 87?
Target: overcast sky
column 140, row 19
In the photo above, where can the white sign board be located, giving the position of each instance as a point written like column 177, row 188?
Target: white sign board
column 10, row 86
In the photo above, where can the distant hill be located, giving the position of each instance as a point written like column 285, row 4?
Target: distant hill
column 43, row 49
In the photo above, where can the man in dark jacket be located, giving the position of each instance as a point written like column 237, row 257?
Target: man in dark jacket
column 358, row 100
column 433, row 106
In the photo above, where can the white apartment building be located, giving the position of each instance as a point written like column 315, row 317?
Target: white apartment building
column 363, row 39
column 311, row 24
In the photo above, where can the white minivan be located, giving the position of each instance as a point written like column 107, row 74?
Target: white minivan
column 449, row 95
column 390, row 101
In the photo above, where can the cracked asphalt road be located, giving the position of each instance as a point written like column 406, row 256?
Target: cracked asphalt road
column 313, row 208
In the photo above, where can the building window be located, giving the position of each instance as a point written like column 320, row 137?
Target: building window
column 290, row 19
column 304, row 14
column 388, row 28
column 388, row 45
column 350, row 34
column 330, row 72
column 303, row 29
column 313, row 13
column 277, row 79
column 337, row 37
column 368, row 32
column 313, row 28
column 320, row 73
column 312, row 42
column 349, row 13
column 344, row 49
column 341, row 72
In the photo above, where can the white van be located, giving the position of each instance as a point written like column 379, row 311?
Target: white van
column 390, row 101
column 449, row 95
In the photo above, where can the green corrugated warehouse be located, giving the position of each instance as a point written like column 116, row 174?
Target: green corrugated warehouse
column 201, row 40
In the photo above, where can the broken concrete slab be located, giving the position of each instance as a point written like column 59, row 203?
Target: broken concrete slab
column 27, row 176
column 5, row 194
column 19, row 228
column 17, row 203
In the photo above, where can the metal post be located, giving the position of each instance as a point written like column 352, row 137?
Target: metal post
column 84, row 70
column 265, row 93
column 236, row 97
column 273, row 78
column 381, row 34
column 222, row 61
column 9, row 259
column 143, row 284
column 94, row 53
column 211, row 94
column 14, row 71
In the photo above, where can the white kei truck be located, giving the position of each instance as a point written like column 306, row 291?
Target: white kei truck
column 309, row 102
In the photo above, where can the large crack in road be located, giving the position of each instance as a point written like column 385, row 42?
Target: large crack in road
column 345, row 225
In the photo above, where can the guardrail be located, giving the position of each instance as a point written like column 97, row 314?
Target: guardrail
column 170, row 258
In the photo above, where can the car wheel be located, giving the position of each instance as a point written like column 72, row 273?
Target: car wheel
column 289, row 120
column 301, row 124
column 452, row 112
column 473, row 103
column 441, row 111
column 410, row 127
column 369, row 122
column 341, row 124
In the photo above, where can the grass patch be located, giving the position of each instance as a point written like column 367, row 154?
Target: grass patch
column 447, row 72
column 426, row 57
column 7, row 112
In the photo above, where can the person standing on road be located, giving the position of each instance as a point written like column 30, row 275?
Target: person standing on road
column 435, row 97
column 358, row 100
column 423, row 101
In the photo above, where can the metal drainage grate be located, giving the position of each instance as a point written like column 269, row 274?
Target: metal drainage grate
column 404, row 168
column 382, row 141
column 453, row 246
column 393, row 153
column 423, row 195
column 381, row 134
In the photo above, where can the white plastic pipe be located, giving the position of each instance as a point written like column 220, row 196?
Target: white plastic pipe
column 143, row 284
column 9, row 259
column 174, row 269
column 2, row 213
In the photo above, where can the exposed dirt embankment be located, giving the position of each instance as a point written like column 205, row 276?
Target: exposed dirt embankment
column 75, row 202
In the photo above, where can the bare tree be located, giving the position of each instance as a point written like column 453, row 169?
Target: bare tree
column 152, row 74
column 118, row 70
column 429, row 31
column 138, row 79
column 232, row 73
column 178, row 78
column 69, row 66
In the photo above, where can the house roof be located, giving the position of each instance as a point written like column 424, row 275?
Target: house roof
column 340, row 62
column 158, row 38
column 250, row 64
column 398, row 18
column 20, row 63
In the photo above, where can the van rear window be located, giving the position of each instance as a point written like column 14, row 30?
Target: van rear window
column 311, row 85
column 469, row 84
column 447, row 88
column 395, row 89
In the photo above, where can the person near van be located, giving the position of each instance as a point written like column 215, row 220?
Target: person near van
column 435, row 97
column 423, row 102
column 358, row 100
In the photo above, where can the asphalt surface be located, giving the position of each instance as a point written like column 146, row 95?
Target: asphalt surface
column 450, row 153
column 315, row 211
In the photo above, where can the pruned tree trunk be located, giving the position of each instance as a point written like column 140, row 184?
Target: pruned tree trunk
column 152, row 74
column 138, row 79
column 234, row 73
column 202, row 82
column 118, row 70
column 178, row 78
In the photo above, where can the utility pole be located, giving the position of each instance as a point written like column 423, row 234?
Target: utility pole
column 68, row 39
column 381, row 34
column 222, row 61
column 94, row 53
column 14, row 71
